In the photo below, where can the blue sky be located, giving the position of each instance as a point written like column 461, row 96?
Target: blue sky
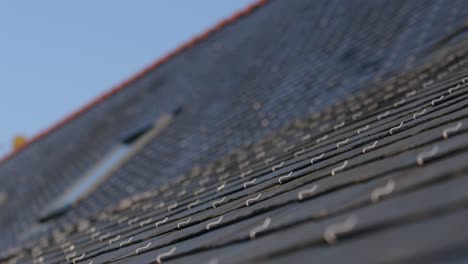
column 57, row 55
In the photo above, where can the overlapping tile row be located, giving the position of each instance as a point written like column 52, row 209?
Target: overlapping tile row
column 385, row 168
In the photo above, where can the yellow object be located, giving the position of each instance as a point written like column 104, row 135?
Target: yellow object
column 19, row 142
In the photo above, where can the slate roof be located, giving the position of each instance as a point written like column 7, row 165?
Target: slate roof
column 305, row 130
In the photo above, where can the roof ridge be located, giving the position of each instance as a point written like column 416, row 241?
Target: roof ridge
column 185, row 46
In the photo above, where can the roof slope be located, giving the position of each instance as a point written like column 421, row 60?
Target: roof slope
column 373, row 98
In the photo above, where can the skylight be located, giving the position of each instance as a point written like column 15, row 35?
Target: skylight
column 113, row 160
